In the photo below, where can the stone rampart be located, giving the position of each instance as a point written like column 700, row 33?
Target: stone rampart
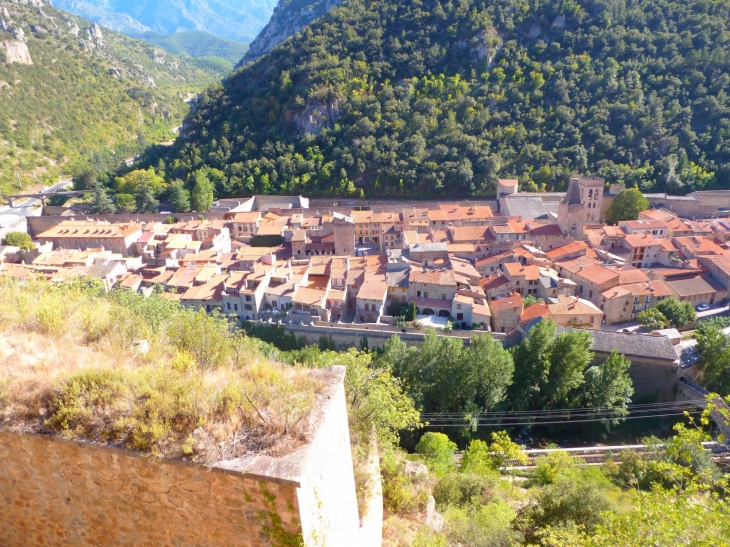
column 60, row 492
column 350, row 336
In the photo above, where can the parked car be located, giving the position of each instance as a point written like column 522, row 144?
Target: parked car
column 703, row 307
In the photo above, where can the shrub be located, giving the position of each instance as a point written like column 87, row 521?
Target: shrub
column 551, row 466
column 438, row 451
column 460, row 489
column 19, row 239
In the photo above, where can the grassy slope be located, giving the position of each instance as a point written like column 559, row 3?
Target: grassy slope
column 68, row 103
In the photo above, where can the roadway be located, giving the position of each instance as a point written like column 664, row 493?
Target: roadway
column 13, row 218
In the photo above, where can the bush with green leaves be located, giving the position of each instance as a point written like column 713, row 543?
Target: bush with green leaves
column 438, row 452
column 678, row 313
column 22, row 240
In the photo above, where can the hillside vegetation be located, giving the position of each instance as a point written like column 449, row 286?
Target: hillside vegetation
column 87, row 90
column 197, row 44
column 440, row 98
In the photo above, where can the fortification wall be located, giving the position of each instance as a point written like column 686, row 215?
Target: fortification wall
column 346, row 337
column 60, row 492
column 38, row 225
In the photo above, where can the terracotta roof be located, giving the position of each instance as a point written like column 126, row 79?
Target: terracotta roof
column 698, row 284
column 597, row 274
column 433, row 277
column 515, row 269
column 513, row 301
column 305, row 295
column 249, row 217
column 373, row 289
column 563, row 250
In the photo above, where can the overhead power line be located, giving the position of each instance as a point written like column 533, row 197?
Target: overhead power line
column 466, row 423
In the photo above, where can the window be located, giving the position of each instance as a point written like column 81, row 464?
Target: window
column 590, row 293
column 248, row 298
column 228, row 305
column 458, row 306
column 235, row 307
column 460, row 316
column 248, row 307
column 418, row 293
column 443, row 296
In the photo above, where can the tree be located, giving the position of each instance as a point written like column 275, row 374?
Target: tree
column 438, row 451
column 146, row 202
column 101, row 203
column 179, row 197
column 609, row 386
column 627, row 206
column 653, row 319
column 678, row 313
column 714, row 348
column 533, row 356
column 202, row 196
column 411, row 312
column 531, row 300
column 491, row 368
column 19, row 239
column 503, row 450
column 126, row 202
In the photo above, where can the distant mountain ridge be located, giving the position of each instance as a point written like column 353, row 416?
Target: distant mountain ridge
column 289, row 17
column 239, row 20
column 197, row 44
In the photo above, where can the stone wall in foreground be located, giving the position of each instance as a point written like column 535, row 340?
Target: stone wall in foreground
column 59, row 492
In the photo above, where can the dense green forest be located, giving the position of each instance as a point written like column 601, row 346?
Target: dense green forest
column 84, row 93
column 442, row 97
column 198, row 44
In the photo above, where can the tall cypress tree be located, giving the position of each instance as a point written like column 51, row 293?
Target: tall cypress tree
column 146, row 202
column 179, row 197
column 101, row 203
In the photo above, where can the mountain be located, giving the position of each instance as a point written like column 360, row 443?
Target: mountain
column 197, row 44
column 441, row 98
column 289, row 17
column 233, row 19
column 70, row 89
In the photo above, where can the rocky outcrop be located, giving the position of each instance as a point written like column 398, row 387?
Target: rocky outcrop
column 289, row 17
column 16, row 52
column 317, row 114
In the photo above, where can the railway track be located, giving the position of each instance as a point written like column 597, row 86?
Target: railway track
column 601, row 454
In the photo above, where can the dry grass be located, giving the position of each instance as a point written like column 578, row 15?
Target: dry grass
column 68, row 366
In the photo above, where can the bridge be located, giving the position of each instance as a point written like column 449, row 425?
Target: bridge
column 9, row 199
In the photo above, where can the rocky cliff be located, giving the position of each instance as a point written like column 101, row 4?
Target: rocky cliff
column 289, row 17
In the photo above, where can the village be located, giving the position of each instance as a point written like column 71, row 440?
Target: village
column 452, row 266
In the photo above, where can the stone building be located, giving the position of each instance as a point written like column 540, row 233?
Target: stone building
column 580, row 206
column 344, row 227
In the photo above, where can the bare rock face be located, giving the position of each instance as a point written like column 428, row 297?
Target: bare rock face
column 19, row 34
column 317, row 115
column 434, row 519
column 16, row 52
column 288, row 19
column 95, row 34
column 4, row 12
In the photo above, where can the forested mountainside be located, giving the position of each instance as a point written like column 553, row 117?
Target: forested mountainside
column 196, row 43
column 233, row 19
column 442, row 97
column 69, row 88
column 289, row 17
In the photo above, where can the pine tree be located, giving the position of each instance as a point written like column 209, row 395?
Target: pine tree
column 179, row 197
column 101, row 203
column 146, row 202
column 202, row 193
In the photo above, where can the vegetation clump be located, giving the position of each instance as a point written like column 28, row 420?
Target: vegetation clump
column 73, row 364
column 409, row 98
